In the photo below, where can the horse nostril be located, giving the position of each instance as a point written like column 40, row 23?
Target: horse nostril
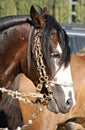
column 61, row 127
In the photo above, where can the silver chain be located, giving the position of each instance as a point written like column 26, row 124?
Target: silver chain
column 41, row 68
column 30, row 121
column 21, row 97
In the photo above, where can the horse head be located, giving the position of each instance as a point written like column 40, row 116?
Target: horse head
column 50, row 36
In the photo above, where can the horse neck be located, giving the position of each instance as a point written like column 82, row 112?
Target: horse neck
column 14, row 39
column 10, row 21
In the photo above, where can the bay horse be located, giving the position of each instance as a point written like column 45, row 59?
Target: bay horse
column 77, row 65
column 17, row 56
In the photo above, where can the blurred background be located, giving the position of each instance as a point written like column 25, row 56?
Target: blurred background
column 65, row 11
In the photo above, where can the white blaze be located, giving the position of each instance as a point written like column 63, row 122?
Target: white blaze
column 63, row 76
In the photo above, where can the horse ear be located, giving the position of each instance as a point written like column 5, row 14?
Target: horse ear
column 46, row 11
column 37, row 19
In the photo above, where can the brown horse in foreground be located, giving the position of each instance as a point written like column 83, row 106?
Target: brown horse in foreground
column 46, row 119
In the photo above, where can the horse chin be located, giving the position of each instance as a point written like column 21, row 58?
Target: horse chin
column 52, row 106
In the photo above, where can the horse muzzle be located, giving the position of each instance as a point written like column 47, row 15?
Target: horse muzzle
column 57, row 103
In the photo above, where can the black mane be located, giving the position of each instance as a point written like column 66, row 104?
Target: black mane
column 51, row 24
column 9, row 21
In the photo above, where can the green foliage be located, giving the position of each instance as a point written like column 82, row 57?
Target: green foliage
column 63, row 11
column 22, row 6
column 59, row 8
column 80, row 15
column 7, row 7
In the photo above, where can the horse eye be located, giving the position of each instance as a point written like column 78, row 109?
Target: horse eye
column 55, row 55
